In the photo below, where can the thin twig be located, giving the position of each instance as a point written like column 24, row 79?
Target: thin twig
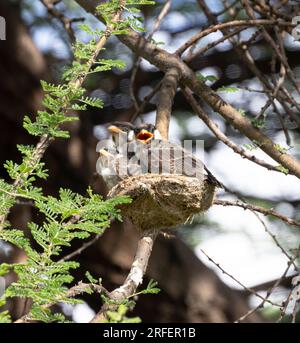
column 264, row 211
column 210, row 45
column 146, row 100
column 230, row 24
column 276, row 241
column 66, row 22
column 83, row 247
column 269, row 292
column 250, row 290
column 220, row 135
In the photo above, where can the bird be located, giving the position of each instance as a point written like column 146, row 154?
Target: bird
column 140, row 149
column 177, row 159
column 108, row 167
column 122, row 132
column 112, row 163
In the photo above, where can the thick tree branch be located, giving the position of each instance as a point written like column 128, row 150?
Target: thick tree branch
column 166, row 99
column 164, row 11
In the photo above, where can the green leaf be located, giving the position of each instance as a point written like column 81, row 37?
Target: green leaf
column 77, row 107
column 242, row 112
column 258, row 122
column 151, row 288
column 90, row 278
column 5, row 317
column 203, row 78
column 228, row 89
column 86, row 28
column 4, row 268
column 280, row 148
column 94, row 102
column 282, row 169
column 15, row 237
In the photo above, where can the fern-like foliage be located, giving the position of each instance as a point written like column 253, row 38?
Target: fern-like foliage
column 44, row 277
column 71, row 216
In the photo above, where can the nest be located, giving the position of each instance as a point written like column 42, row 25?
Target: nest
column 163, row 201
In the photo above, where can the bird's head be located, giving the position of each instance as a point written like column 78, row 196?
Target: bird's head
column 121, row 129
column 145, row 133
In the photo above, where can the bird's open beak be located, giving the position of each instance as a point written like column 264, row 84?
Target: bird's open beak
column 104, row 153
column 114, row 130
column 144, row 136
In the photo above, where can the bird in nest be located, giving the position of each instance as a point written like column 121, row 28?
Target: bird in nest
column 140, row 149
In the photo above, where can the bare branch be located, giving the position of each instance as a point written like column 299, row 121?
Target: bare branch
column 66, row 22
column 264, row 211
column 230, row 24
column 250, row 290
column 80, row 249
column 220, row 135
column 146, row 100
column 164, row 11
column 212, row 44
column 269, row 292
column 135, row 276
column 166, row 98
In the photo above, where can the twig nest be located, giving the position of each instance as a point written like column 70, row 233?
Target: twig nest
column 161, row 201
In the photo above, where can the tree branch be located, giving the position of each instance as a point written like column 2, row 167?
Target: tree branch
column 135, row 276
column 164, row 11
column 166, row 99
column 230, row 24
column 83, row 247
column 66, row 22
column 248, row 289
column 264, row 211
column 220, row 135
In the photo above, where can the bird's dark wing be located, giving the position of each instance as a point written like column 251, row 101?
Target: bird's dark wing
column 165, row 157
